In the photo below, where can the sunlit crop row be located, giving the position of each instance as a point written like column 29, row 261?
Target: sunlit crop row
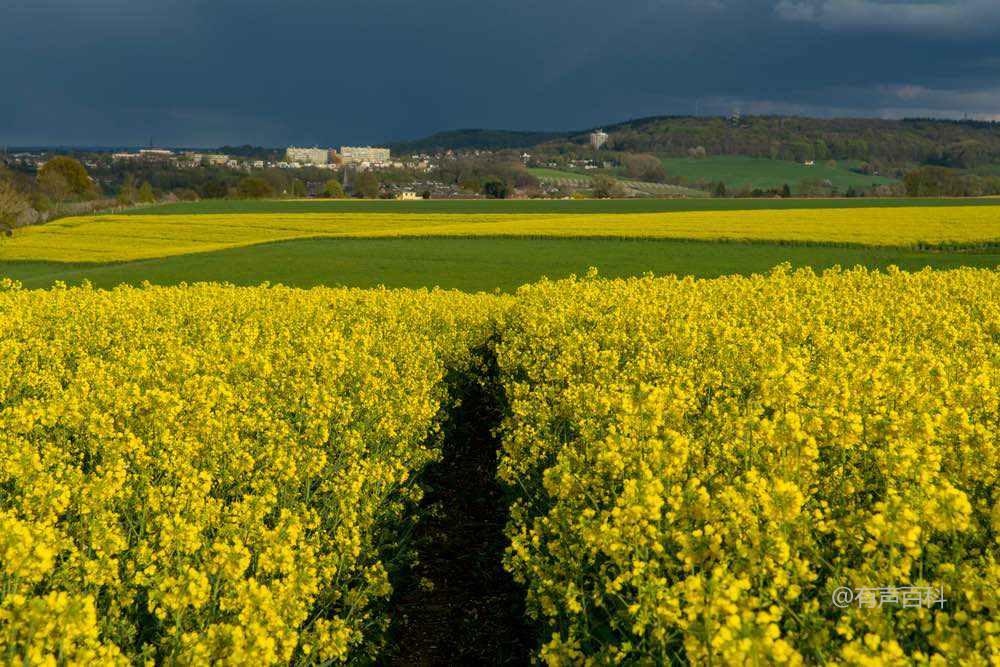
column 699, row 465
column 205, row 473
column 107, row 238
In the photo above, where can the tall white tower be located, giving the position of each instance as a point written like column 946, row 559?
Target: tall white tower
column 598, row 138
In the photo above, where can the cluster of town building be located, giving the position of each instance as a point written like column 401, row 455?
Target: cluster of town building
column 363, row 156
column 360, row 157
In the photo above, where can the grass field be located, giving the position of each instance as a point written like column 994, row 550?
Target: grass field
column 491, row 245
column 746, row 172
column 475, row 264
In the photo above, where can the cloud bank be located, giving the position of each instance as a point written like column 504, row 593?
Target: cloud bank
column 934, row 19
column 117, row 72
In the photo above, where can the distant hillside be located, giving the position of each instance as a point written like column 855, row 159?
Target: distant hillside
column 960, row 144
column 476, row 139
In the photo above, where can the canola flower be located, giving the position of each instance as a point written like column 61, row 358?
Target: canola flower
column 206, row 473
column 700, row 464
column 213, row 474
column 109, row 238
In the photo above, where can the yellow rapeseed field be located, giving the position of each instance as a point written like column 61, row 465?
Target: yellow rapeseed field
column 700, row 465
column 202, row 474
column 206, row 473
column 107, row 238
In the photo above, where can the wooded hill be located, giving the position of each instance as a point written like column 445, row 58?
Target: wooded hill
column 960, row 144
column 476, row 139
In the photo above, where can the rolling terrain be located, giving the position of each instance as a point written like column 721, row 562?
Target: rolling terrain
column 488, row 245
column 739, row 173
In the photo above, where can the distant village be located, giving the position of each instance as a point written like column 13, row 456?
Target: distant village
column 412, row 176
column 358, row 157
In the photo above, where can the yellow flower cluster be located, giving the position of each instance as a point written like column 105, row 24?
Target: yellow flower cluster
column 700, row 464
column 109, row 238
column 213, row 474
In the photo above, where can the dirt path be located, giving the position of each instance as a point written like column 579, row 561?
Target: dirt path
column 458, row 606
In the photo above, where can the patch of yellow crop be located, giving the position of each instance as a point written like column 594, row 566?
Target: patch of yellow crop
column 109, row 238
column 698, row 469
column 211, row 475
column 713, row 472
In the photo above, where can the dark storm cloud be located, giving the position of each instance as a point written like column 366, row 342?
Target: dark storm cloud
column 936, row 19
column 201, row 72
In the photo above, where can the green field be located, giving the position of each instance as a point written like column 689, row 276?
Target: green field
column 475, row 264
column 464, row 262
column 747, row 172
column 596, row 206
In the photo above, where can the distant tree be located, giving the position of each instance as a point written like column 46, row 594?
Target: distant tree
column 643, row 167
column 605, row 187
column 146, row 195
column 802, row 151
column 470, row 184
column 333, row 189
column 965, row 154
column 496, row 188
column 888, row 190
column 934, row 182
column 697, row 152
column 426, row 194
column 366, row 185
column 214, row 189
column 719, row 190
column 298, row 188
column 858, row 149
column 77, row 182
column 54, row 185
column 127, row 193
column 814, row 186
column 253, row 187
column 12, row 205
column 186, row 194
column 821, row 150
column 786, row 191
column 869, row 168
column 278, row 181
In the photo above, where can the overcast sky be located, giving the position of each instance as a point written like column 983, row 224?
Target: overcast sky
column 327, row 72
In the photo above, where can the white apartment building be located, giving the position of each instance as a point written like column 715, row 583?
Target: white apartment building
column 598, row 139
column 156, row 153
column 307, row 155
column 358, row 154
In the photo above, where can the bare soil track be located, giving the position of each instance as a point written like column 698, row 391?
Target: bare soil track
column 458, row 606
